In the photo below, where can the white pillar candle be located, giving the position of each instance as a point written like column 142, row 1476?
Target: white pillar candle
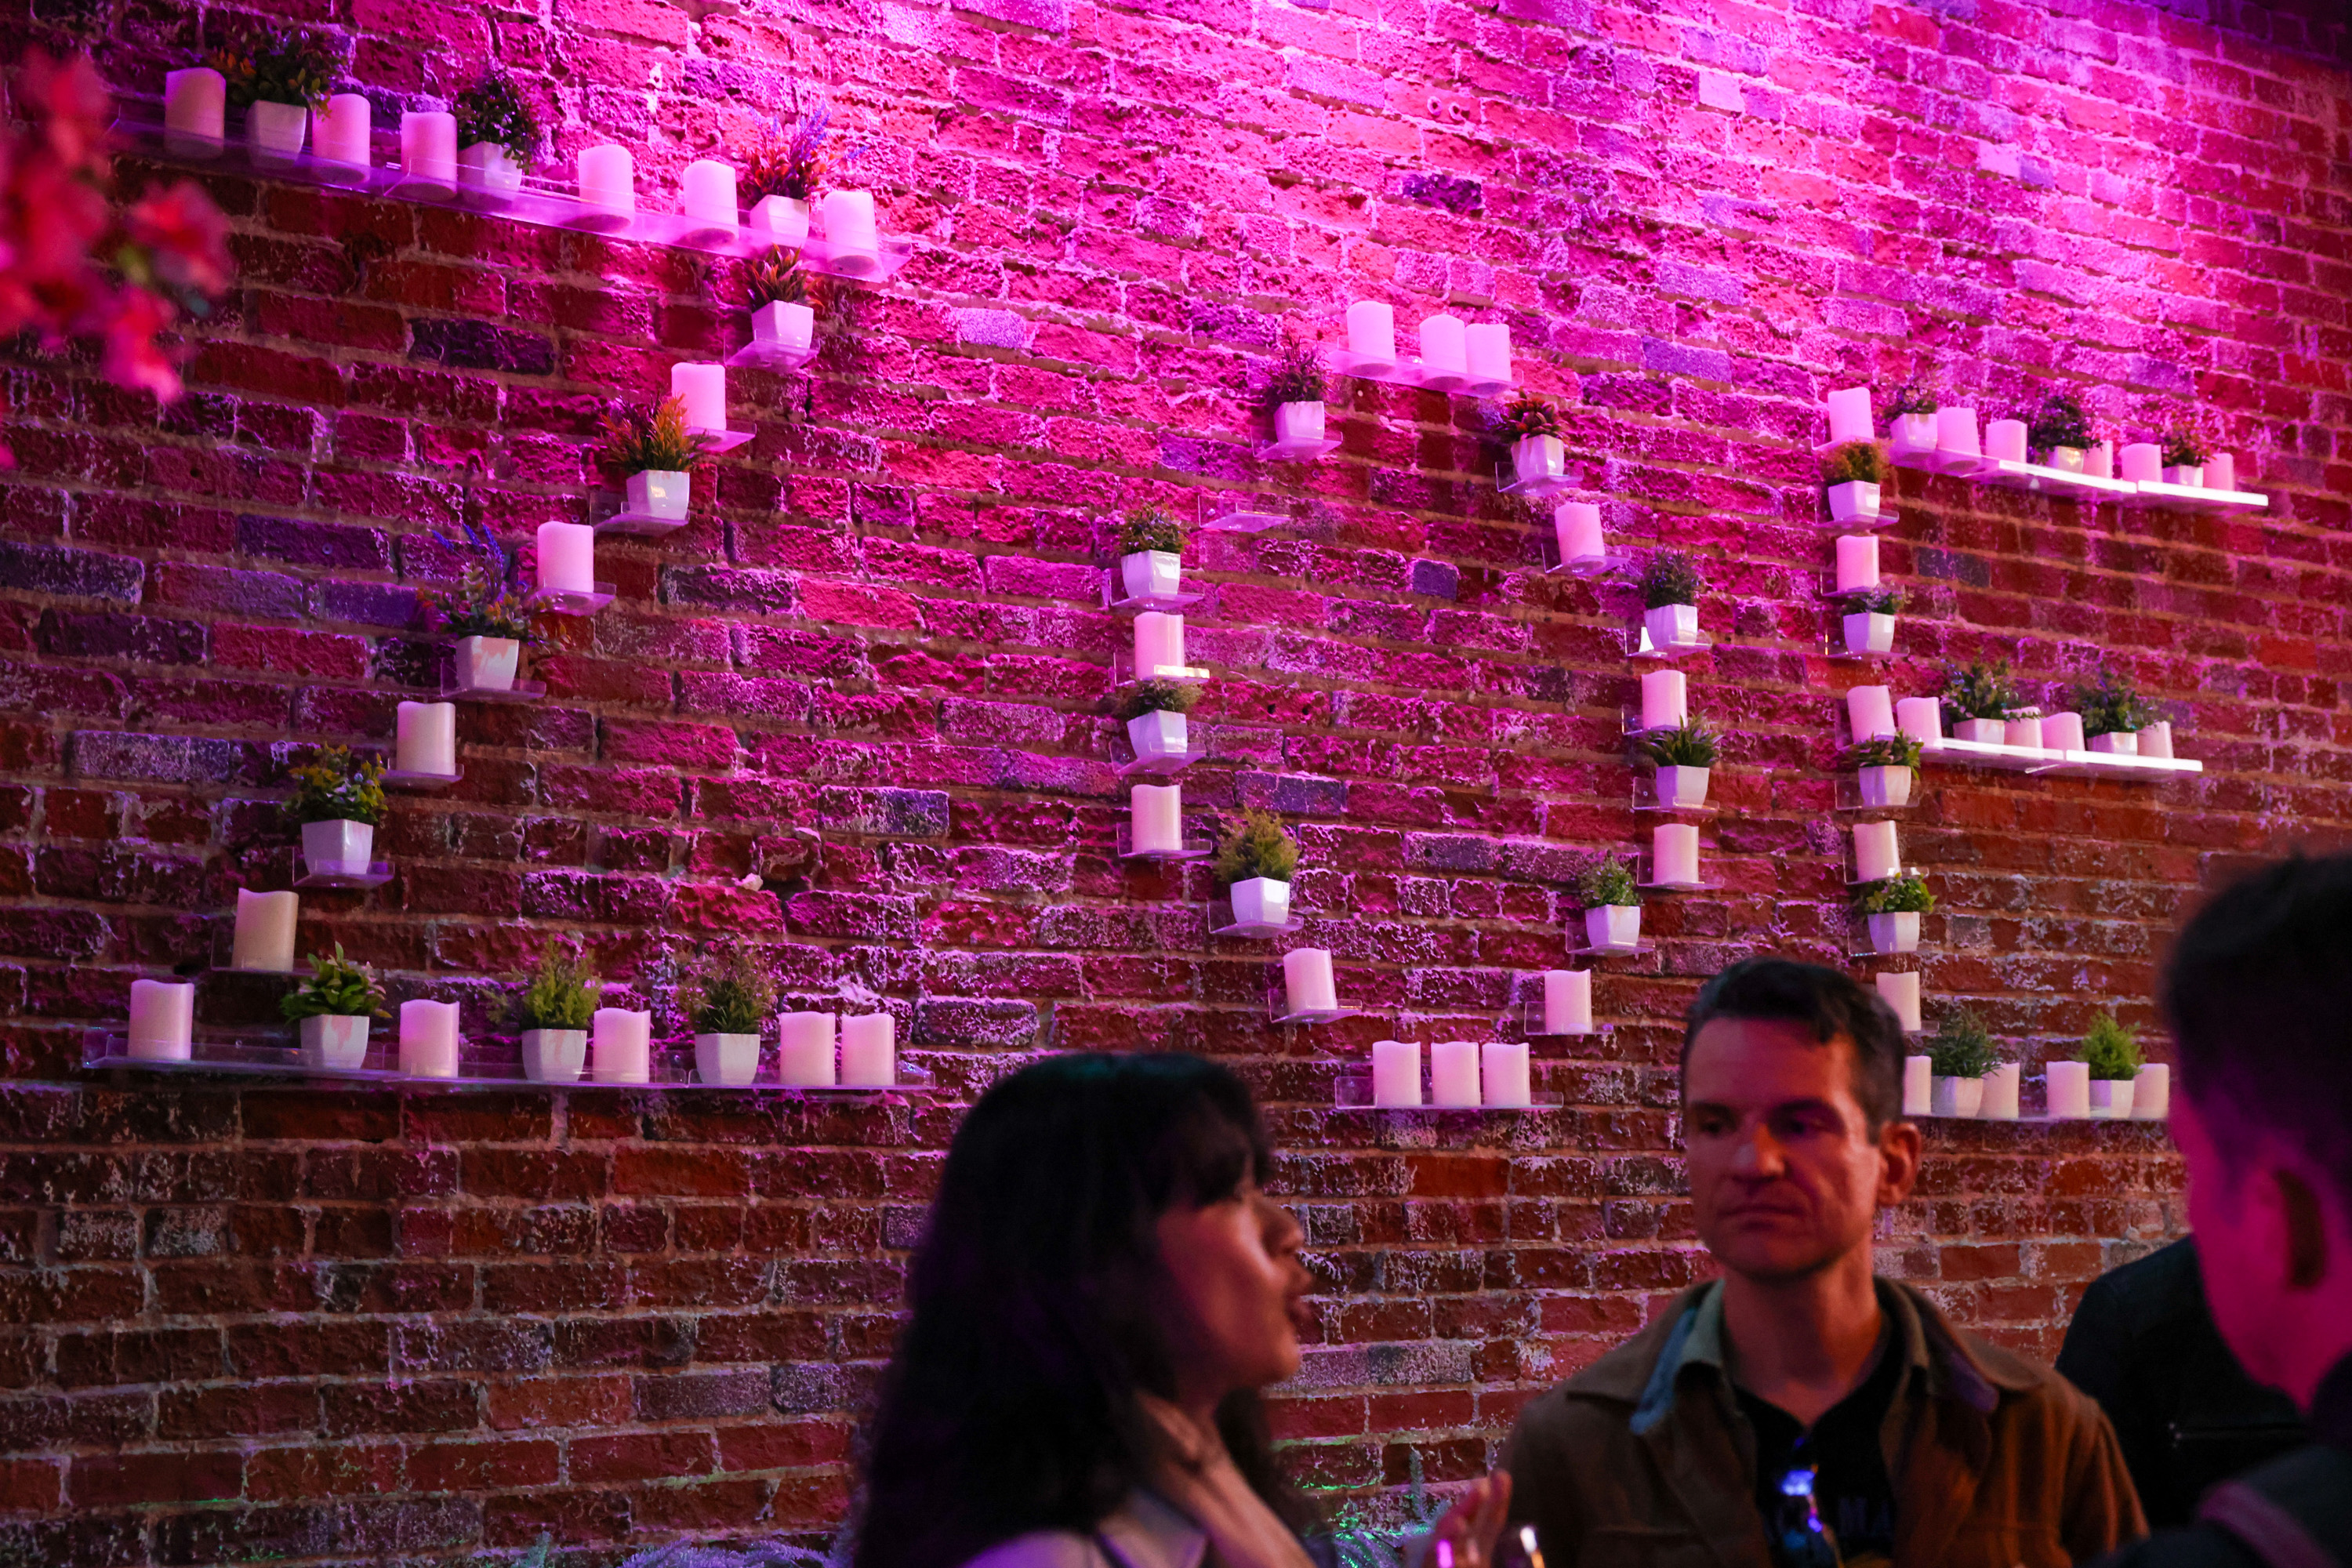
column 195, row 102
column 2067, row 1088
column 1579, row 526
column 608, row 182
column 2144, row 462
column 1875, row 854
column 620, row 1046
column 1568, row 1002
column 2099, row 460
column 1396, row 1069
column 870, row 1055
column 1444, row 347
column 1850, row 416
column 2221, row 474
column 2152, row 1092
column 567, row 558
column 1159, row 643
column 1920, row 718
column 343, row 129
column 2005, row 440
column 1155, row 819
column 1665, row 701
column 707, row 193
column 427, row 738
column 163, row 1021
column 428, row 147
column 1999, row 1102
column 1503, row 1074
column 1900, row 991
column 849, row 231
column 2061, row 732
column 1956, row 431
column 428, row 1039
column 264, row 938
column 1673, row 853
column 1918, row 1085
column 2026, row 733
column 1869, row 711
column 1454, row 1073
column 2155, row 741
column 1307, row 981
column 1487, row 345
column 704, row 387
column 1857, row 561
column 1371, row 335
column 805, row 1054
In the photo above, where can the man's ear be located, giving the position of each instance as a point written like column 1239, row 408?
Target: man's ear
column 1898, row 1162
column 2303, row 1222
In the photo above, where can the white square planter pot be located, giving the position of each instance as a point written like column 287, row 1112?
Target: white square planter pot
column 1684, row 788
column 1868, row 631
column 554, row 1055
column 783, row 325
column 2117, row 743
column 1914, row 432
column 1992, row 731
column 1152, row 574
column 2065, row 459
column 786, row 219
column 334, row 1040
column 276, row 130
column 1955, row 1097
column 2155, row 741
column 1889, row 787
column 2192, row 475
column 1853, row 502
column 487, row 663
column 1670, row 626
column 1894, row 933
column 2111, row 1099
column 1613, row 925
column 1261, row 901
column 1159, row 733
column 340, row 844
column 1299, row 422
column 660, row 492
column 488, row 175
column 730, row 1060
column 1538, row 458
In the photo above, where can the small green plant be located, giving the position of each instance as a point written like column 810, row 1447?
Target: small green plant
column 1982, row 690
column 1912, row 398
column 1256, row 846
column 489, row 600
column 1894, row 896
column 1156, row 696
column 492, row 110
column 561, row 995
column 731, row 998
column 1885, row 751
column 1150, row 528
column 793, row 163
column 1608, row 880
column 1882, row 600
column 1526, row 414
column 339, row 788
column 1669, row 578
column 1963, row 1046
column 1693, row 745
column 2187, row 447
column 2111, row 705
column 1857, row 461
column 776, row 278
column 336, row 988
column 639, row 440
column 2061, row 423
column 1297, row 370
column 2111, row 1049
column 295, row 66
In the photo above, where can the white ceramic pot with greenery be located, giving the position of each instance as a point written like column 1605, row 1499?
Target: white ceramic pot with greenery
column 498, row 135
column 1155, row 714
column 2111, row 1099
column 1685, row 758
column 1959, row 1058
column 1670, row 591
column 332, row 1011
column 1894, row 933
column 1151, row 553
column 279, row 77
column 784, row 219
column 1885, row 788
column 654, row 450
column 488, row 175
column 339, row 800
column 2112, row 1055
column 487, row 663
column 1892, row 908
column 1867, row 631
column 1533, row 427
column 557, row 1008
column 1960, row 1097
column 2189, row 476
column 1298, row 423
column 1911, row 419
column 1257, row 859
column 2061, row 431
column 487, row 616
column 1856, row 472
column 1980, row 695
column 781, row 318
column 781, row 176
column 1613, row 903
column 726, row 1001
column 1883, row 768
column 2112, row 712
column 662, row 493
column 278, row 130
column 1295, row 390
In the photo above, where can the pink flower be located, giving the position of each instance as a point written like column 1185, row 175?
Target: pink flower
column 132, row 358
column 188, row 235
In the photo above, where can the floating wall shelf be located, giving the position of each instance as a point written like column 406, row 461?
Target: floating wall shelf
column 520, row 692
column 757, row 355
column 1295, row 451
column 572, row 601
column 1141, row 602
column 2089, row 488
column 1353, row 1092
column 2075, row 765
column 397, row 778
column 1639, row 645
column 340, row 874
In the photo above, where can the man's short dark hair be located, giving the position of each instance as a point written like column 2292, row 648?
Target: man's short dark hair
column 2258, row 990
column 1827, row 1001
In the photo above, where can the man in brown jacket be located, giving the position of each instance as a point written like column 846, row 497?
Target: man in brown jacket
column 1801, row 1411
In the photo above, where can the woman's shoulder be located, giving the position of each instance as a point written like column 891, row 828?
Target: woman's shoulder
column 1144, row 1533
column 1043, row 1548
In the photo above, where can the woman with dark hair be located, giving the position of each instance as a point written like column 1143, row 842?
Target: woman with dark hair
column 1103, row 1289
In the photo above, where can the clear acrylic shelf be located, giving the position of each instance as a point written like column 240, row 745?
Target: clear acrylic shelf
column 2042, row 480
column 520, row 692
column 1152, row 767
column 1224, row 511
column 1532, row 1020
column 1295, row 451
column 609, row 513
column 1124, row 672
column 341, row 873
column 1275, row 1001
column 1194, row 850
column 1248, row 930
column 1869, row 522
column 572, row 601
column 2196, row 498
column 1140, row 601
column 1589, row 565
column 400, row 778
column 1614, row 949
column 1639, row 645
column 1353, row 1092
column 1645, row 799
column 1404, row 372
column 758, row 355
column 2040, row 760
column 716, row 440
column 1535, row 487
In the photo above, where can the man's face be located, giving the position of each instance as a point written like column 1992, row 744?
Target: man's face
column 2238, row 1245
column 1785, row 1176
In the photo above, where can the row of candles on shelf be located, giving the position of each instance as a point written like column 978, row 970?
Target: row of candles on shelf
column 1475, row 351
column 1462, row 1075
column 1873, row 712
column 1953, row 432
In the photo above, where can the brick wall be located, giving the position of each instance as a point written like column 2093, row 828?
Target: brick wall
column 268, row 1323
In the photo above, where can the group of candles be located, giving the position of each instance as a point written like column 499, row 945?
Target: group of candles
column 1873, row 712
column 1463, row 1074
column 1476, row 351
column 2066, row 1087
column 2005, row 440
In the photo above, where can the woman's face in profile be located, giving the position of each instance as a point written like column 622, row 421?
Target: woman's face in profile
column 1237, row 1296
